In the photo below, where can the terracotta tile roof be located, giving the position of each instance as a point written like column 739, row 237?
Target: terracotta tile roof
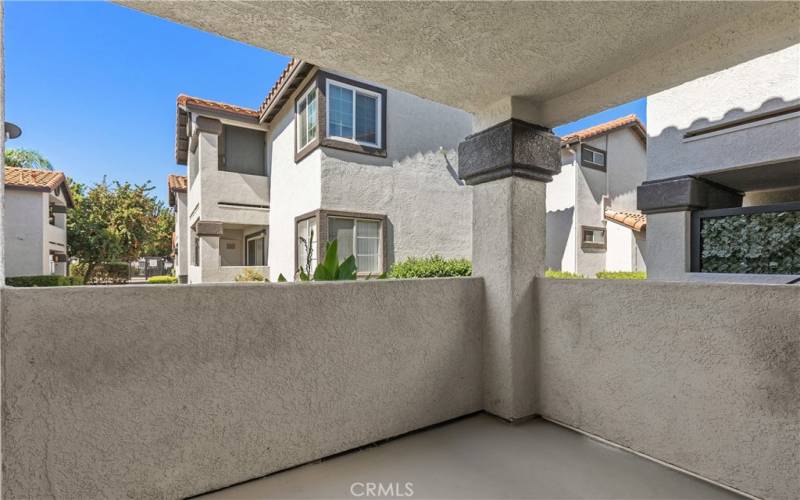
column 32, row 178
column 631, row 220
column 175, row 184
column 279, row 83
column 187, row 100
column 37, row 180
column 604, row 128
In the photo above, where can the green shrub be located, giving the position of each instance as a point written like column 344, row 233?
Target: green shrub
column 330, row 269
column 44, row 281
column 249, row 275
column 110, row 273
column 77, row 269
column 621, row 275
column 162, row 280
column 562, row 275
column 431, row 267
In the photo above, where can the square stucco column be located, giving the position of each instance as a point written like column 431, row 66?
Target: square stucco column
column 508, row 165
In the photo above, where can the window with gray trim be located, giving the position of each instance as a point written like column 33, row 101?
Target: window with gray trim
column 255, row 250
column 360, row 238
column 241, row 150
column 340, row 113
column 306, row 112
column 593, row 157
column 593, row 238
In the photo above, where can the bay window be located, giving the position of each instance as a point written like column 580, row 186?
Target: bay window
column 307, row 118
column 360, row 238
column 353, row 113
column 336, row 112
column 306, row 245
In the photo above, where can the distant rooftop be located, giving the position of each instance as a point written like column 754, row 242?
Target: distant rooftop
column 604, row 128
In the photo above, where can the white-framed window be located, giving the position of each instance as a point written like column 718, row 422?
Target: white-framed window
column 593, row 237
column 354, row 114
column 307, row 235
column 358, row 237
column 255, row 255
column 306, row 118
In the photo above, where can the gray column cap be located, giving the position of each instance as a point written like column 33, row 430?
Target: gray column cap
column 511, row 148
column 208, row 228
column 684, row 193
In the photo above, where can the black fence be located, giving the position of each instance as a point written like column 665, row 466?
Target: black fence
column 150, row 266
column 751, row 240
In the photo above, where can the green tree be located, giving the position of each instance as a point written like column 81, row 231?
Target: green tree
column 26, row 158
column 117, row 221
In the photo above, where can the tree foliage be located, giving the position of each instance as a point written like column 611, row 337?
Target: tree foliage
column 117, row 222
column 26, row 158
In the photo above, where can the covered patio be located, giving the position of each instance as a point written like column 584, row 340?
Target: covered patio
column 480, row 456
column 222, row 384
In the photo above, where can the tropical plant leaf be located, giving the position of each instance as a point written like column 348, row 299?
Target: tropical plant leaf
column 281, row 278
column 347, row 269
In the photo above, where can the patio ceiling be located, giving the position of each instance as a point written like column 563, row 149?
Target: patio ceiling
column 548, row 62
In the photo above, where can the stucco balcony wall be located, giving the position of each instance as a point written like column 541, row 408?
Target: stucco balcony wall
column 702, row 376
column 234, row 198
column 56, row 238
column 170, row 391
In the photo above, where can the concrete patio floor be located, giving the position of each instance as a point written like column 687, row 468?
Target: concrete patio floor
column 483, row 457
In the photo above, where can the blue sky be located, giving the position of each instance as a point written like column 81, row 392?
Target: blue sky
column 93, row 86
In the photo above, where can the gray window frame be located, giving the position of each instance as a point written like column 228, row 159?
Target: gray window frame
column 592, row 245
column 591, row 164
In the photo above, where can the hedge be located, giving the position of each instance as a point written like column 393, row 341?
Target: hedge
column 431, row 267
column 109, row 273
column 761, row 243
column 621, row 275
column 162, row 280
column 249, row 275
column 45, row 280
column 562, row 275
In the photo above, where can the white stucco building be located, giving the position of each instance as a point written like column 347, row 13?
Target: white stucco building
column 325, row 155
column 592, row 221
column 726, row 144
column 35, row 222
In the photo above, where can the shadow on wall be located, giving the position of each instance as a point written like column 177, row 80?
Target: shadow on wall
column 770, row 105
column 763, row 138
column 558, row 229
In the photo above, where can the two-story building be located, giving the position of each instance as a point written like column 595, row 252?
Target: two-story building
column 592, row 221
column 36, row 203
column 324, row 157
column 722, row 194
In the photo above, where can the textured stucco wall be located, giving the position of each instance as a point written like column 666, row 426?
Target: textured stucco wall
column 763, row 84
column 25, row 221
column 703, row 376
column 295, row 190
column 182, row 233
column 560, row 205
column 221, row 383
column 429, row 210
